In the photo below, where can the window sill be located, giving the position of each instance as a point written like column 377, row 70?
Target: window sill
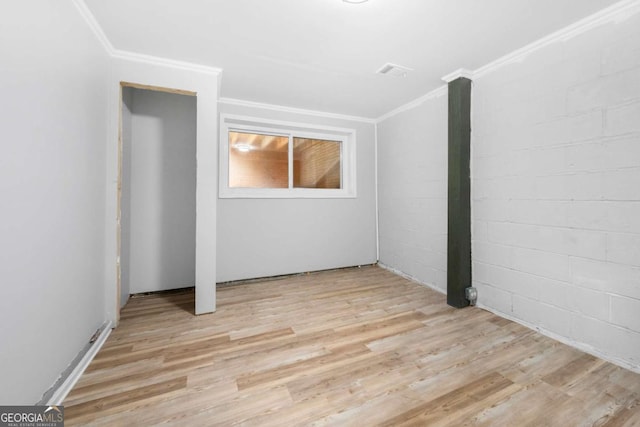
column 285, row 193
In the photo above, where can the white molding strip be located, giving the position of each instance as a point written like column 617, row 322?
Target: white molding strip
column 413, row 279
column 615, row 13
column 564, row 340
column 460, row 72
column 294, row 110
column 436, row 93
column 575, row 344
column 95, row 27
column 376, row 188
column 91, row 21
column 165, row 62
column 61, row 392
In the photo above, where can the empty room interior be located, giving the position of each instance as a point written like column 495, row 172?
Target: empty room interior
column 321, row 212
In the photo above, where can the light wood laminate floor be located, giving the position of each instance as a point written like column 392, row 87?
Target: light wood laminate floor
column 356, row 346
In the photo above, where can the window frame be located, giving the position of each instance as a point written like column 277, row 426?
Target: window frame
column 346, row 137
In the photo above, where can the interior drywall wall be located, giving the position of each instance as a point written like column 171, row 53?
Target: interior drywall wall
column 412, row 191
column 556, row 190
column 53, row 111
column 161, row 206
column 204, row 82
column 268, row 237
column 125, row 202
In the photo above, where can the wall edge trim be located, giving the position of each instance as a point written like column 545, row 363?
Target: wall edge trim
column 613, row 13
column 93, row 24
column 436, row 93
column 410, row 277
column 58, row 397
column 460, row 72
column 294, row 110
column 165, row 62
column 616, row 12
column 97, row 30
column 586, row 348
column 564, row 340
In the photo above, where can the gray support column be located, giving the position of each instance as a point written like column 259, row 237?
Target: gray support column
column 459, row 199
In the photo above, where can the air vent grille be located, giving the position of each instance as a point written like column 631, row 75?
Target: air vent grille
column 395, row 70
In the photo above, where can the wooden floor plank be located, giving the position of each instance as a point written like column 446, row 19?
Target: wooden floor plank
column 122, row 401
column 358, row 346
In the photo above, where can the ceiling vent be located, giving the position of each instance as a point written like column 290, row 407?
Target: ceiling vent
column 390, row 69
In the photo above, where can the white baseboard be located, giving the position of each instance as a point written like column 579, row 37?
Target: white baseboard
column 61, row 392
column 564, row 340
column 409, row 277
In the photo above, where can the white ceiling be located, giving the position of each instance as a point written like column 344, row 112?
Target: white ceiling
column 322, row 54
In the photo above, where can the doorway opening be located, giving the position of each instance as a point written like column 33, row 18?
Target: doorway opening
column 156, row 190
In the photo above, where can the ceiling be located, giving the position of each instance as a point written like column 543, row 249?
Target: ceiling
column 322, row 54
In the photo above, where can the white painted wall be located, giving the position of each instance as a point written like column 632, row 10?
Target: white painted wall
column 161, row 192
column 412, row 191
column 267, row 237
column 53, row 112
column 140, row 69
column 125, row 215
column 556, row 190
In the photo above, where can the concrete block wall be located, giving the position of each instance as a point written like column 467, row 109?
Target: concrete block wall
column 412, row 191
column 556, row 190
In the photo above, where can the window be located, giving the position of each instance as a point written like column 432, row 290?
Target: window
column 269, row 159
column 258, row 160
column 316, row 163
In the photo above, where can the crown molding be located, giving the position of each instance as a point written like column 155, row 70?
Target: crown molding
column 164, row 62
column 95, row 27
column 460, row 72
column 91, row 21
column 294, row 110
column 436, row 93
column 616, row 13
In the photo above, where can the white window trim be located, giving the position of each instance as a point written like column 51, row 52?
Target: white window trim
column 346, row 136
